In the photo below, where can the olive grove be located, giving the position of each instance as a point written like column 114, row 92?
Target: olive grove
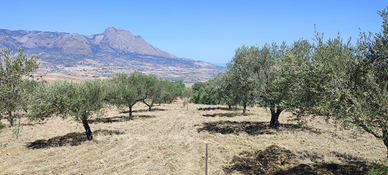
column 343, row 82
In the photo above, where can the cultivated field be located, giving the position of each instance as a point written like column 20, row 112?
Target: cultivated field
column 59, row 76
column 171, row 140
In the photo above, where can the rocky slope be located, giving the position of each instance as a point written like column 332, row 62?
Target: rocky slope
column 105, row 54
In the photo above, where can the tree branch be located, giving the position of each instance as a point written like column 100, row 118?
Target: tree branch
column 363, row 125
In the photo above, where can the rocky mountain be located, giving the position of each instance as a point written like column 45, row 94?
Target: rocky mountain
column 105, row 54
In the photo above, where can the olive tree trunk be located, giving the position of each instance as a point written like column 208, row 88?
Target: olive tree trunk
column 130, row 112
column 274, row 123
column 245, row 109
column 87, row 128
column 385, row 139
column 10, row 118
column 149, row 105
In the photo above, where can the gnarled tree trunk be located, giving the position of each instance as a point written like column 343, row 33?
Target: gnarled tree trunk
column 133, row 104
column 274, row 123
column 149, row 105
column 87, row 128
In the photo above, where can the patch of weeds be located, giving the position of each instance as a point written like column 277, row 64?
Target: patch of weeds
column 378, row 169
column 3, row 145
column 17, row 129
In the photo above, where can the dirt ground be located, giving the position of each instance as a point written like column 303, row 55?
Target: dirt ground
column 171, row 139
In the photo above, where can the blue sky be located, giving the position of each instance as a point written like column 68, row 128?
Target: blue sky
column 202, row 30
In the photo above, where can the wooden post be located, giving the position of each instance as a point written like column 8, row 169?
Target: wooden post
column 206, row 160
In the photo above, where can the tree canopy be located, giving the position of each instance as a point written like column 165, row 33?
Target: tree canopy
column 67, row 98
column 344, row 82
column 355, row 87
column 12, row 70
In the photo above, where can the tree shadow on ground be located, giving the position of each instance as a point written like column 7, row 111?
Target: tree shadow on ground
column 118, row 119
column 106, row 120
column 34, row 123
column 72, row 139
column 251, row 128
column 227, row 114
column 276, row 160
column 145, row 116
column 144, row 110
column 216, row 108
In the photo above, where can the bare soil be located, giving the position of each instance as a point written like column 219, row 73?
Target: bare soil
column 171, row 139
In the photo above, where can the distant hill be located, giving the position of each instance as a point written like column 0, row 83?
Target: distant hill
column 105, row 54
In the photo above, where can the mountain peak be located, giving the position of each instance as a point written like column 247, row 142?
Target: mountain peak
column 116, row 30
column 113, row 28
column 122, row 40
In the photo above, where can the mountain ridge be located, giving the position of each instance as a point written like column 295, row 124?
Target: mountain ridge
column 104, row 54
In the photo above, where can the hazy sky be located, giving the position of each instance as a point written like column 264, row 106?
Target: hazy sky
column 208, row 30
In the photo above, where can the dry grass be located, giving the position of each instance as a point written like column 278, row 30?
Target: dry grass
column 171, row 140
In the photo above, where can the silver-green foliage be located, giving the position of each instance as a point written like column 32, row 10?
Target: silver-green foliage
column 261, row 75
column 346, row 83
column 126, row 91
column 12, row 70
column 163, row 91
column 67, row 98
column 243, row 83
column 358, row 88
column 156, row 93
column 224, row 87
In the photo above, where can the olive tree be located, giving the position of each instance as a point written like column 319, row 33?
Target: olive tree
column 64, row 98
column 354, row 90
column 173, row 90
column 266, row 71
column 242, row 84
column 224, row 87
column 179, row 89
column 12, row 70
column 127, row 90
column 257, row 75
column 28, row 86
column 167, row 91
column 156, row 92
column 270, row 76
